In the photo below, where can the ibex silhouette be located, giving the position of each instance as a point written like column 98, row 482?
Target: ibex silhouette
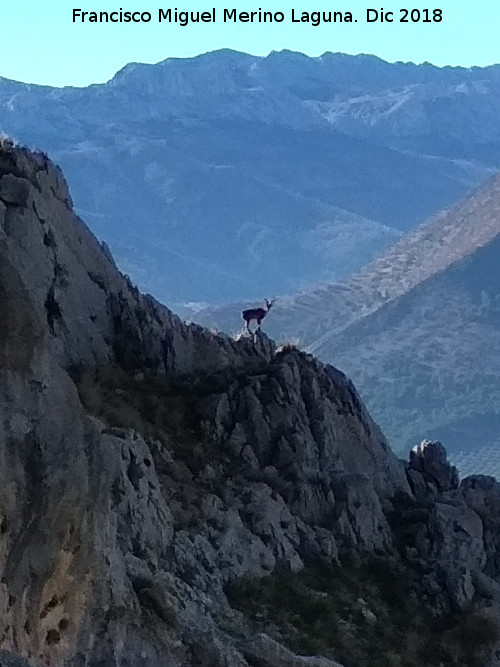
column 256, row 314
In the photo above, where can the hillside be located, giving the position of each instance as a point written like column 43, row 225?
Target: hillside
column 173, row 497
column 230, row 176
column 427, row 362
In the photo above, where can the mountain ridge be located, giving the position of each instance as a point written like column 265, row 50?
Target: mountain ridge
column 309, row 168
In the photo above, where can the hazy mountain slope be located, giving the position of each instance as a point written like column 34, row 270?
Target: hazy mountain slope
column 428, row 363
column 229, row 175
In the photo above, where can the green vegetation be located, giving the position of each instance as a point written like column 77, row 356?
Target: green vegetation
column 166, row 409
column 159, row 406
column 414, row 407
column 363, row 615
column 170, row 409
column 167, row 412
column 154, row 407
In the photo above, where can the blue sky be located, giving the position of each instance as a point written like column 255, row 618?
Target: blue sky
column 41, row 44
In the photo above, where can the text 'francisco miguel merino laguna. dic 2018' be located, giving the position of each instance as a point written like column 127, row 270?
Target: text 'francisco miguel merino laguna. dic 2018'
column 314, row 18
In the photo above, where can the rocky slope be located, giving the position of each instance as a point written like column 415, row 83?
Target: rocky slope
column 148, row 468
column 231, row 176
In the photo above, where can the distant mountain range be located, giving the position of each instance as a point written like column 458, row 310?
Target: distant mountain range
column 231, row 176
column 418, row 330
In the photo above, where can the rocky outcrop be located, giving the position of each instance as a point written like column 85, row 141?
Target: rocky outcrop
column 482, row 495
column 373, row 327
column 449, row 529
column 430, row 459
column 146, row 465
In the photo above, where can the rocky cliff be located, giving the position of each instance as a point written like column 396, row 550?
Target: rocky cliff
column 152, row 474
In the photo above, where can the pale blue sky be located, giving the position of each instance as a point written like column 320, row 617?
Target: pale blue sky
column 40, row 44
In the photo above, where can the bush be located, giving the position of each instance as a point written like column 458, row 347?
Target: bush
column 474, row 632
column 367, row 614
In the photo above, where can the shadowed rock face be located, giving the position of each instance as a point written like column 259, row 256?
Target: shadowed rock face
column 429, row 458
column 183, row 461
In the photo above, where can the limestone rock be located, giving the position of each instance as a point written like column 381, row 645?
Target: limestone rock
column 482, row 495
column 13, row 190
column 430, row 459
column 128, row 540
column 446, row 534
column 460, row 537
